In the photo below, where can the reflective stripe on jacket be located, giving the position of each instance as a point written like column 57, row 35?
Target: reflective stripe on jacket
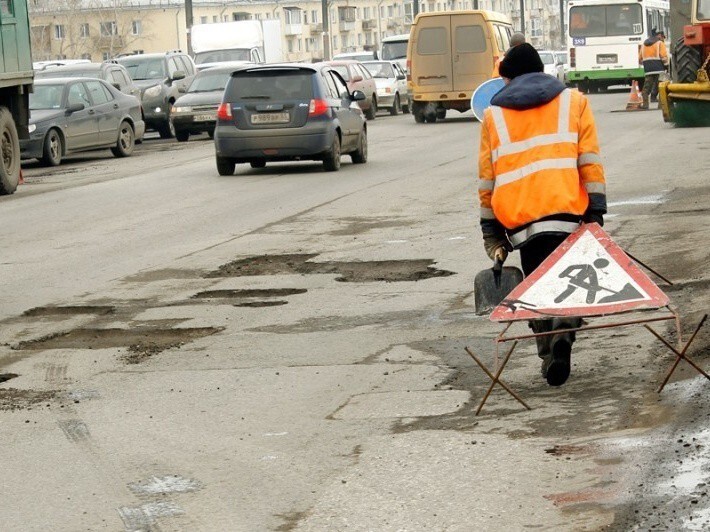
column 539, row 168
column 654, row 57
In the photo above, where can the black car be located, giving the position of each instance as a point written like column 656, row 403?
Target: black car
column 288, row 112
column 160, row 77
column 109, row 71
column 195, row 111
column 77, row 114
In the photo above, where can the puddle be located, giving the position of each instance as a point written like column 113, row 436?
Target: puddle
column 244, row 294
column 4, row 377
column 68, row 310
column 261, row 304
column 138, row 340
column 354, row 272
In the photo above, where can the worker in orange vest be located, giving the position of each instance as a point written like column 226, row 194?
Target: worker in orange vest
column 654, row 57
column 540, row 176
column 515, row 40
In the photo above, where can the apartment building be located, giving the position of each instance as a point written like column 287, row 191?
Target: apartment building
column 101, row 29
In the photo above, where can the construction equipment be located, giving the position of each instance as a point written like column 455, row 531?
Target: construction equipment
column 685, row 101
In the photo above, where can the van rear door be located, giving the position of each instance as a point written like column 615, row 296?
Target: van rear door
column 472, row 51
column 432, row 69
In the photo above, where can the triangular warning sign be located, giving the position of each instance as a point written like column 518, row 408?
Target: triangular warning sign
column 587, row 275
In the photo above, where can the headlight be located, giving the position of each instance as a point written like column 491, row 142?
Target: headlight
column 32, row 128
column 153, row 91
column 182, row 109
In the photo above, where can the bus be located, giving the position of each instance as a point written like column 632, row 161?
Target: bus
column 394, row 48
column 604, row 38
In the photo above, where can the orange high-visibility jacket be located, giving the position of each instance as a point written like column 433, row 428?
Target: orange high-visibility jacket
column 653, row 56
column 538, row 166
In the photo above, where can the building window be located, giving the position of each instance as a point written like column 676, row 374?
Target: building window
column 214, row 18
column 300, row 46
column 292, row 15
column 6, row 8
column 59, row 32
column 106, row 56
column 109, row 28
column 359, row 39
column 335, row 42
column 86, row 56
column 136, row 27
column 203, row 20
column 366, row 13
column 314, row 16
column 390, row 11
column 84, row 31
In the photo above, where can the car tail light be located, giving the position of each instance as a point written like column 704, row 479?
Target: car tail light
column 572, row 58
column 224, row 112
column 318, row 108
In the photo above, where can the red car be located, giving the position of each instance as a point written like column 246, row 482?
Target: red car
column 358, row 78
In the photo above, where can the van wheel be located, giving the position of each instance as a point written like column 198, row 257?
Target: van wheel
column 53, row 148
column 418, row 112
column 10, row 153
column 331, row 161
column 430, row 118
column 225, row 165
column 441, row 113
column 396, row 106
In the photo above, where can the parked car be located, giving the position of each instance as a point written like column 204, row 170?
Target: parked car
column 549, row 62
column 195, row 111
column 288, row 112
column 160, row 77
column 561, row 65
column 356, row 56
column 109, row 71
column 76, row 114
column 358, row 78
column 391, row 82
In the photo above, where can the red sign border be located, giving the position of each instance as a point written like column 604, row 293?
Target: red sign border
column 658, row 298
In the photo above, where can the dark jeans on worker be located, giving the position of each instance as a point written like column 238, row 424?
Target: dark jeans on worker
column 650, row 88
column 532, row 253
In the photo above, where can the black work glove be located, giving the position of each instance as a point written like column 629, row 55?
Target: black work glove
column 593, row 217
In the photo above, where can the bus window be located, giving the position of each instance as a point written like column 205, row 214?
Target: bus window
column 606, row 21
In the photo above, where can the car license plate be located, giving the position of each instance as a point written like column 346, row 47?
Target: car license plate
column 607, row 59
column 210, row 117
column 270, row 118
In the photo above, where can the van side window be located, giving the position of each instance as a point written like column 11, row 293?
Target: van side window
column 433, row 41
column 470, row 39
column 504, row 37
column 499, row 38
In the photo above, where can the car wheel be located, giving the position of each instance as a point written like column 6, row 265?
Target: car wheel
column 126, row 141
column 397, row 106
column 53, row 149
column 258, row 164
column 359, row 156
column 167, row 130
column 371, row 113
column 210, row 133
column 331, row 161
column 182, row 136
column 10, row 153
column 225, row 165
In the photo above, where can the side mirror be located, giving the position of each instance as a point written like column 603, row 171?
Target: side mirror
column 401, row 77
column 357, row 79
column 358, row 96
column 178, row 74
column 75, row 107
column 116, row 86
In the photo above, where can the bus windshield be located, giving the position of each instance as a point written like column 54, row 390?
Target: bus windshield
column 394, row 50
column 605, row 20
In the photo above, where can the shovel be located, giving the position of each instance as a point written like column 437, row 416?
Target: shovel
column 492, row 285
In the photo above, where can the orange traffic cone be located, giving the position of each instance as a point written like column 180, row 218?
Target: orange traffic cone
column 635, row 99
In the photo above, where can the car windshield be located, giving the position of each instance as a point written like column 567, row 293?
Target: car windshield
column 562, row 57
column 68, row 73
column 271, row 85
column 605, row 20
column 145, row 67
column 380, row 70
column 343, row 71
column 394, row 50
column 222, row 56
column 547, row 58
column 209, row 82
column 46, row 97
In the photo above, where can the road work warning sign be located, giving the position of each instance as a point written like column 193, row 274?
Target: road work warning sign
column 587, row 275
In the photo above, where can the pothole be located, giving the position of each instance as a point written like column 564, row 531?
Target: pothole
column 249, row 293
column 354, row 272
column 149, row 340
column 74, row 310
column 13, row 399
column 255, row 304
column 4, row 377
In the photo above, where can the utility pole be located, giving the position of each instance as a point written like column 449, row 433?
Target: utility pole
column 326, row 30
column 522, row 17
column 563, row 37
column 415, row 9
column 188, row 25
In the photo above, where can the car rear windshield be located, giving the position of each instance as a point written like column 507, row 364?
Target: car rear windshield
column 271, row 85
column 145, row 67
column 46, row 97
column 380, row 70
column 209, row 81
column 547, row 58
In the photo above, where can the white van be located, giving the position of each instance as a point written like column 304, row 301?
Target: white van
column 394, row 48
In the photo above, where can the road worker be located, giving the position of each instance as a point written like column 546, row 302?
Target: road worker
column 654, row 57
column 540, row 176
column 515, row 40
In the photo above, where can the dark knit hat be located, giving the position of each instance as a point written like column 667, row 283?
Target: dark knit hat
column 519, row 60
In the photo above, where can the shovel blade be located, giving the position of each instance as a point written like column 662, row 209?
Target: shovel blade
column 488, row 293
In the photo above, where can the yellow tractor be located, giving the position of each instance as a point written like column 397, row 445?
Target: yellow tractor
column 685, row 100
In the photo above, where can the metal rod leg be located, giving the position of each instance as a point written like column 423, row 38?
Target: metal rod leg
column 492, row 377
column 497, row 376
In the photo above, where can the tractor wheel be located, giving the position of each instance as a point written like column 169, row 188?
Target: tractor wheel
column 687, row 62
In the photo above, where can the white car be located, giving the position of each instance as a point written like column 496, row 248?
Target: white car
column 356, row 56
column 549, row 62
column 562, row 65
column 391, row 82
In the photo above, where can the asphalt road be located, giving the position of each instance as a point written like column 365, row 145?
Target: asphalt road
column 283, row 349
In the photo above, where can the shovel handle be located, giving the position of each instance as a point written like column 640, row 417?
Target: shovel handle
column 497, row 271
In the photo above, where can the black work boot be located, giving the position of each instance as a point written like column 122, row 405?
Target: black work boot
column 556, row 366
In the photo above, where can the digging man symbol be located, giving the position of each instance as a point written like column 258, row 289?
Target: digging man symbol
column 585, row 278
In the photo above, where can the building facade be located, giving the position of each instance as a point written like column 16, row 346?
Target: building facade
column 101, row 29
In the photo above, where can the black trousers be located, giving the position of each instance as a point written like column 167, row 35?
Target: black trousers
column 532, row 254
